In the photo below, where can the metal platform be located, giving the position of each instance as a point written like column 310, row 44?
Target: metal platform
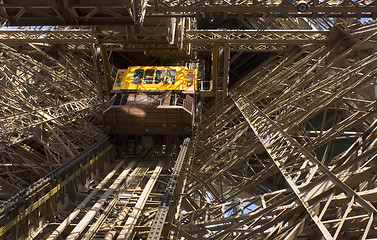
column 141, row 114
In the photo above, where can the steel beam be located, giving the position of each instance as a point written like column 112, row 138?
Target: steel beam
column 271, row 36
column 117, row 12
column 55, row 234
column 128, row 228
column 75, row 233
column 303, row 170
column 162, row 212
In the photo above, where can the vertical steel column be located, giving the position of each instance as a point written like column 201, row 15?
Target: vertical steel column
column 96, row 69
column 215, row 72
column 226, row 70
column 106, row 69
column 162, row 212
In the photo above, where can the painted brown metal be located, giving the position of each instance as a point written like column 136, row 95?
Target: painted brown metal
column 148, row 120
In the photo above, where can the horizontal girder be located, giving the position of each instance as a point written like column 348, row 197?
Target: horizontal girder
column 115, row 12
column 272, row 36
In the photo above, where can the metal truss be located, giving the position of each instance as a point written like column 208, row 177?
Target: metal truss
column 180, row 37
column 269, row 41
column 292, row 155
column 139, row 9
column 16, row 128
column 115, row 12
column 161, row 37
column 302, row 170
column 268, row 36
column 314, row 100
column 78, row 36
column 19, row 115
column 245, row 48
column 162, row 212
column 66, row 36
column 46, row 116
column 63, row 13
column 43, row 193
column 82, row 39
column 120, row 205
column 342, row 9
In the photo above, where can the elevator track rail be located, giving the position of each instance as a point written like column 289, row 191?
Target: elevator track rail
column 119, row 199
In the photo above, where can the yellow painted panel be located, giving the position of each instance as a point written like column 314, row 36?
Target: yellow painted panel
column 125, row 79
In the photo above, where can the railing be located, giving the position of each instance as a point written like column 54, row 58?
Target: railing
column 178, row 100
column 188, row 103
column 166, row 100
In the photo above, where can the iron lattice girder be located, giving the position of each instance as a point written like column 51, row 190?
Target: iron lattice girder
column 309, row 179
column 343, row 9
column 21, row 124
column 115, row 12
column 67, row 36
column 293, row 100
column 271, row 40
column 83, row 38
column 77, row 36
column 339, row 11
column 251, row 3
column 70, row 36
column 312, row 75
column 23, row 80
column 245, row 48
column 268, row 36
column 222, row 216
